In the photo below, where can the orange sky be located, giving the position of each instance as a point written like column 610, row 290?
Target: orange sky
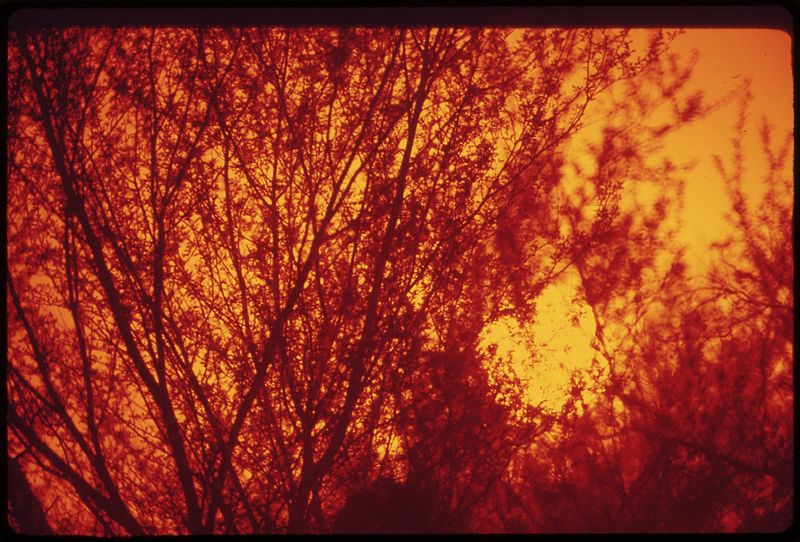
column 726, row 58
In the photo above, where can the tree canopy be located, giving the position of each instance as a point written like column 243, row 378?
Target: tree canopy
column 249, row 272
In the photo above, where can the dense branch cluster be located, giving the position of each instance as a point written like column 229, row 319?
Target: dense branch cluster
column 249, row 271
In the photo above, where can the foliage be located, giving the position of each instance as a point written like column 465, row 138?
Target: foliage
column 248, row 270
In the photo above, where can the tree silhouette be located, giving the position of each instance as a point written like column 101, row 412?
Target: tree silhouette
column 693, row 428
column 249, row 269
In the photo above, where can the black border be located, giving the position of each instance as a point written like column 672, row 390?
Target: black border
column 783, row 15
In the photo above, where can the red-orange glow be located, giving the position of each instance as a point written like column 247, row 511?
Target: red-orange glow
column 316, row 280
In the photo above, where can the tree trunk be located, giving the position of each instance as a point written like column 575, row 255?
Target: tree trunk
column 23, row 504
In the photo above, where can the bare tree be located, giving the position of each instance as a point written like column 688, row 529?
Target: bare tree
column 248, row 268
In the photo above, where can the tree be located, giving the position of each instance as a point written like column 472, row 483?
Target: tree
column 25, row 509
column 693, row 428
column 248, row 268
